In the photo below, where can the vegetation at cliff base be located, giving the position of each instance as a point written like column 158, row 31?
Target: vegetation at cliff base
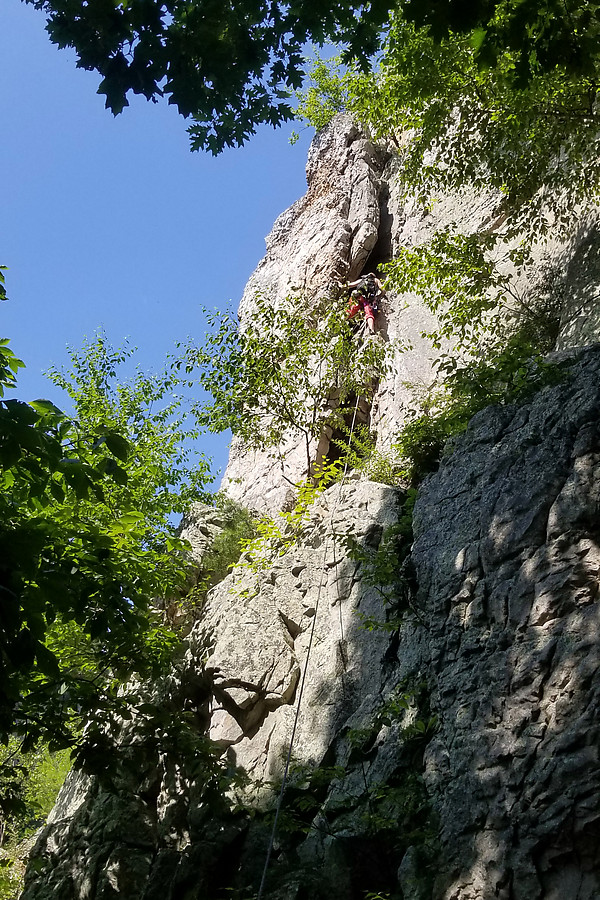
column 88, row 549
column 42, row 774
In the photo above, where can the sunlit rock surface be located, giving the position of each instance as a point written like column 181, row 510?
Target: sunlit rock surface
column 353, row 217
column 257, row 678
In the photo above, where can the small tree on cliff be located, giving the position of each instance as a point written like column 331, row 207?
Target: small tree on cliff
column 278, row 372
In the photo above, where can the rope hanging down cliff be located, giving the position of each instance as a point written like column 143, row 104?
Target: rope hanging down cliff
column 306, row 663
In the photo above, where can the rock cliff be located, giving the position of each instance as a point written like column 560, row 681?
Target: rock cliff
column 445, row 717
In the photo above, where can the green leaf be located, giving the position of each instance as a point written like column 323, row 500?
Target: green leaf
column 46, row 661
column 46, row 406
column 21, row 412
column 117, row 445
column 119, row 475
column 477, row 38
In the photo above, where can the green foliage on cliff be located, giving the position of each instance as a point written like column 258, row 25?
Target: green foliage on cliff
column 286, row 370
column 225, row 550
column 521, row 129
column 456, row 123
column 492, row 338
column 240, row 527
column 384, row 568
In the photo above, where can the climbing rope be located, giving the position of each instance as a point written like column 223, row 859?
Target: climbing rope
column 306, row 662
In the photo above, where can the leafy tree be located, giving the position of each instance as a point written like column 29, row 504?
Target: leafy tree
column 456, row 124
column 164, row 470
column 542, row 34
column 85, row 546
column 283, row 372
column 232, row 65
column 42, row 774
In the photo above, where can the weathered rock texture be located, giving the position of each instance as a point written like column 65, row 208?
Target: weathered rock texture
column 257, row 679
column 353, row 217
column 507, row 558
column 451, row 752
column 326, row 236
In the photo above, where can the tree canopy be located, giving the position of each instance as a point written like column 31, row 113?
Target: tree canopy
column 233, row 64
column 230, row 64
column 543, row 34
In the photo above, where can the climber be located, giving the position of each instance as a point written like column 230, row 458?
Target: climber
column 366, row 293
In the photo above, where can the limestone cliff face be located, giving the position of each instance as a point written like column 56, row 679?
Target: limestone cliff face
column 353, row 217
column 348, row 219
column 509, row 578
column 446, row 723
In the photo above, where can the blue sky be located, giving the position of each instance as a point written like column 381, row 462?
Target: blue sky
column 112, row 222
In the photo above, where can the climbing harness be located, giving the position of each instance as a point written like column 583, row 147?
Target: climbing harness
column 306, row 662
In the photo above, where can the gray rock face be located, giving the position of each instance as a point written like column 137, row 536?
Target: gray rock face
column 331, row 231
column 327, row 235
column 312, row 597
column 353, row 217
column 507, row 557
